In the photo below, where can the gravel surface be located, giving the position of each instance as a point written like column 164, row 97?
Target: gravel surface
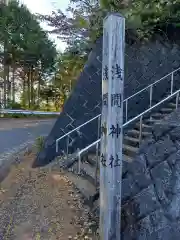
column 40, row 204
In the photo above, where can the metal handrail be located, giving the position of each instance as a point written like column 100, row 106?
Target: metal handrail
column 140, row 116
column 152, row 84
column 76, row 129
column 151, row 108
column 126, row 105
column 27, row 112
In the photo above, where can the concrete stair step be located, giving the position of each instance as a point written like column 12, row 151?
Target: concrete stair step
column 89, row 172
column 152, row 121
column 130, row 140
column 86, row 188
column 134, row 132
column 172, row 105
column 158, row 115
column 91, row 159
column 146, row 127
column 167, row 110
column 127, row 158
column 130, row 148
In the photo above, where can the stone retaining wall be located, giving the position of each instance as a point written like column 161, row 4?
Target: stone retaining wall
column 151, row 186
column 144, row 63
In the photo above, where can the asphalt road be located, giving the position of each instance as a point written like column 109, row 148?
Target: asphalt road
column 15, row 134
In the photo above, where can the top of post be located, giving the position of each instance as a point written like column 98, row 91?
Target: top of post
column 113, row 14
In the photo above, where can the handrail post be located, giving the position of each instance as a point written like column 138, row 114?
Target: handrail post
column 57, row 146
column 126, row 110
column 97, row 163
column 99, row 126
column 172, row 82
column 79, row 162
column 97, row 150
column 140, row 130
column 177, row 100
column 150, row 95
column 67, row 151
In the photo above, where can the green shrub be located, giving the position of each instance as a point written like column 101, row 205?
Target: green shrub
column 39, row 143
column 14, row 105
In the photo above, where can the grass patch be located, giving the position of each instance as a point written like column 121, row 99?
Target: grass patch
column 39, row 143
column 16, row 115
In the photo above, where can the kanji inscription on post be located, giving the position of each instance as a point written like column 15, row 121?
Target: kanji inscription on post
column 117, row 72
column 115, row 130
column 116, row 99
column 105, row 99
column 105, row 73
column 103, row 160
column 114, row 161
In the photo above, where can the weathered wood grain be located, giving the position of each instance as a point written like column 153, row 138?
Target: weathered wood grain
column 111, row 126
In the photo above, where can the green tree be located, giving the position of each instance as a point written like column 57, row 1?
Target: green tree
column 24, row 46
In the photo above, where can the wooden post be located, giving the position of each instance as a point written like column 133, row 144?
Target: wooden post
column 111, row 127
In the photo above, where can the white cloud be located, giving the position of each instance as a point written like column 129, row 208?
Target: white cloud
column 46, row 7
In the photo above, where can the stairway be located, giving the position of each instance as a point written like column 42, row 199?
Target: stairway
column 83, row 169
column 131, row 139
column 89, row 165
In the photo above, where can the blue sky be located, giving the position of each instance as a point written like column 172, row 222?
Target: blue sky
column 46, row 7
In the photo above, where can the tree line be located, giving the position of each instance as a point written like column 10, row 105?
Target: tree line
column 82, row 23
column 29, row 59
column 26, row 54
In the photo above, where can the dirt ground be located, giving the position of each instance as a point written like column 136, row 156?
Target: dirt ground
column 40, row 204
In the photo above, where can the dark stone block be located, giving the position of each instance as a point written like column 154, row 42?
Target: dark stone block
column 65, row 121
column 125, row 168
column 140, row 207
column 129, row 188
column 128, row 218
column 161, row 171
column 162, row 178
column 146, row 143
column 143, row 180
column 159, row 220
column 159, row 151
column 90, row 105
column 86, row 92
column 130, row 233
column 175, row 230
column 90, row 70
column 97, row 63
column 175, row 134
column 176, row 178
column 173, row 158
column 173, row 118
column 146, row 202
column 76, row 111
column 163, row 234
column 173, row 209
column 81, row 99
column 160, row 130
column 145, row 228
column 138, row 166
column 70, row 127
column 169, row 232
